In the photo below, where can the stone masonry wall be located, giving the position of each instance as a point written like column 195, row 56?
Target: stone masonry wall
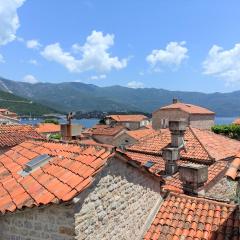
column 123, row 140
column 103, row 139
column 117, row 205
column 168, row 115
column 54, row 222
column 202, row 121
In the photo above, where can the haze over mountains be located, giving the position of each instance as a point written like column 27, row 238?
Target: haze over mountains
column 76, row 96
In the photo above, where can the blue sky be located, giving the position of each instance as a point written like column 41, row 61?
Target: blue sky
column 175, row 44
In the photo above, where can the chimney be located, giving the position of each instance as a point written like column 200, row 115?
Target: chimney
column 175, row 100
column 66, row 131
column 177, row 129
column 193, row 176
column 172, row 153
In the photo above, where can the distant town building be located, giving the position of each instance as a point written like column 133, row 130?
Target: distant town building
column 7, row 117
column 130, row 137
column 6, row 112
column 132, row 122
column 195, row 116
column 48, row 128
column 105, row 133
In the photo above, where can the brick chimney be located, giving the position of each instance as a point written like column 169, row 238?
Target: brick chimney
column 172, row 153
column 193, row 176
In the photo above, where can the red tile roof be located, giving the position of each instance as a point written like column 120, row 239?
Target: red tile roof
column 191, row 218
column 140, row 133
column 106, row 130
column 69, row 172
column 189, row 108
column 233, row 170
column 48, row 128
column 173, row 183
column 11, row 135
column 128, row 118
column 237, row 121
column 201, row 145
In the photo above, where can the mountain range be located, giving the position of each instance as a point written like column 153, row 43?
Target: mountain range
column 22, row 106
column 77, row 96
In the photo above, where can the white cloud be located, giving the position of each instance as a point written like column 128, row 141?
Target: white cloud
column 9, row 20
column 33, row 44
column 94, row 54
column 173, row 55
column 224, row 64
column 30, row 79
column 33, row 62
column 97, row 77
column 135, row 84
column 2, row 59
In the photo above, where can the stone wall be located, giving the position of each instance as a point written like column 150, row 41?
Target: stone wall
column 103, row 139
column 197, row 120
column 161, row 116
column 202, row 121
column 117, row 205
column 55, row 222
column 123, row 140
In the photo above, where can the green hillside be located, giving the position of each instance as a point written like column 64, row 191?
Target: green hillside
column 23, row 106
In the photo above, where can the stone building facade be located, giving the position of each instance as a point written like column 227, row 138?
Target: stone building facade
column 131, row 122
column 195, row 116
column 116, row 206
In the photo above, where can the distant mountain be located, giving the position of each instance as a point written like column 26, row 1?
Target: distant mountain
column 22, row 106
column 76, row 96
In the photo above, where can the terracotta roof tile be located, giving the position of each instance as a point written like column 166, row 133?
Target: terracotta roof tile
column 234, row 168
column 140, row 133
column 237, row 121
column 11, row 135
column 189, row 108
column 200, row 145
column 48, row 128
column 69, row 171
column 106, row 130
column 128, row 118
column 185, row 224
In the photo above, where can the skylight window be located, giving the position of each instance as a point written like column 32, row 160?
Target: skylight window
column 35, row 163
column 149, row 164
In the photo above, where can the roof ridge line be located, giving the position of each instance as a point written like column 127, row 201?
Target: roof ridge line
column 201, row 198
column 191, row 129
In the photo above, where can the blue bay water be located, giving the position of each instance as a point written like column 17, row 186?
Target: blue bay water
column 85, row 122
column 91, row 122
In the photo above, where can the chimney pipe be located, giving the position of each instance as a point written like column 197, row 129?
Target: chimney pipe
column 193, row 176
column 177, row 129
column 172, row 153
